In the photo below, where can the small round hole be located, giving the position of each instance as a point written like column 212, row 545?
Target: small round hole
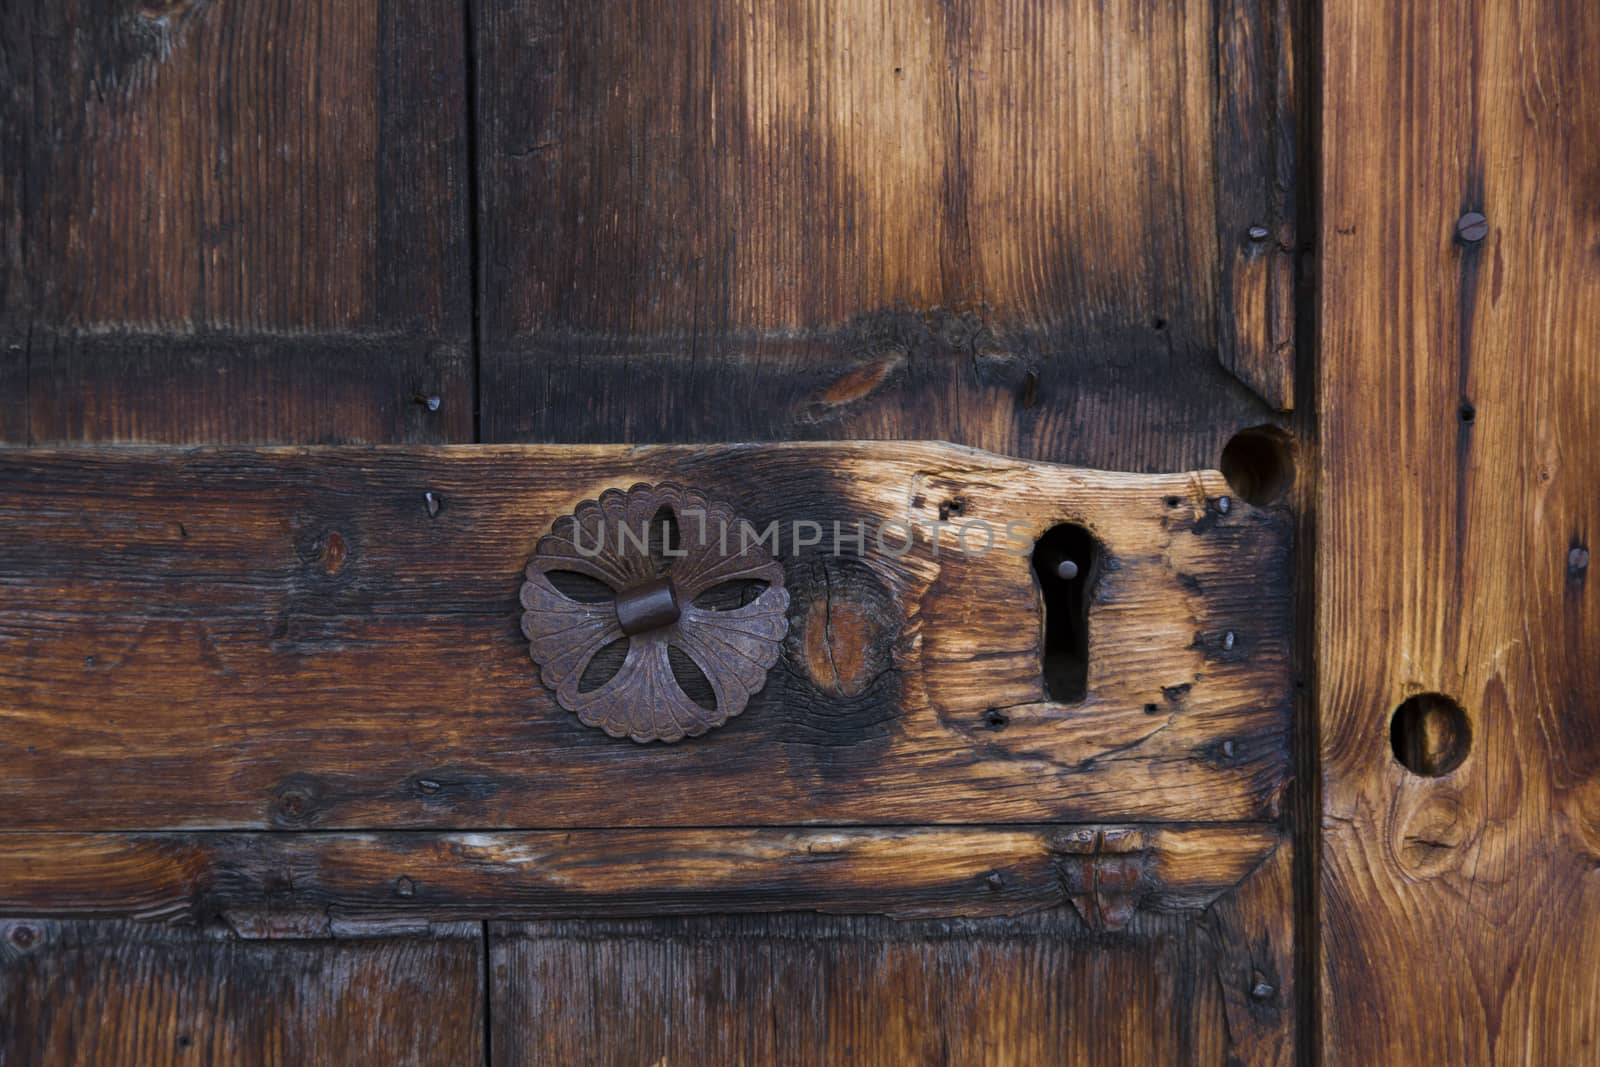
column 1466, row 411
column 1430, row 735
column 1259, row 465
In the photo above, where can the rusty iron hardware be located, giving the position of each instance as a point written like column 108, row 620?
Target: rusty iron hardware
column 664, row 557
column 1105, row 872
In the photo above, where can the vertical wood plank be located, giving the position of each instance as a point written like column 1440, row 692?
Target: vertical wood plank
column 1460, row 407
column 991, row 222
column 95, row 993
column 804, row 989
column 236, row 222
column 1256, row 187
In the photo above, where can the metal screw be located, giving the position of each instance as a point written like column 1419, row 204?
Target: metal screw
column 404, row 887
column 1227, row 641
column 1472, row 227
column 995, row 881
column 1259, row 233
column 1223, row 504
column 434, row 402
column 427, row 785
column 1262, row 990
column 1067, row 570
column 432, row 502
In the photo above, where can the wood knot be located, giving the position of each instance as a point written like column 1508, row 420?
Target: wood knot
column 847, row 627
column 297, row 802
column 332, row 553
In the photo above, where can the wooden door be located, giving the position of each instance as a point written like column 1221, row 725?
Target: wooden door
column 1247, row 312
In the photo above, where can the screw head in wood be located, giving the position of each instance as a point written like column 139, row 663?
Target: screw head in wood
column 1472, row 227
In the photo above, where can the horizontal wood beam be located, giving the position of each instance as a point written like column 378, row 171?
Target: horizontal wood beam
column 326, row 638
column 311, row 885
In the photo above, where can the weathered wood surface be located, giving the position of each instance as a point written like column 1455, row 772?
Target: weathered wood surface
column 1460, row 397
column 225, row 222
column 288, row 638
column 796, row 989
column 1257, row 186
column 989, row 221
column 338, row 883
column 93, row 994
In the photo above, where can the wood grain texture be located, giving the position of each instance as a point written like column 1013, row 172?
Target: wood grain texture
column 990, row 222
column 92, row 993
column 239, row 223
column 1460, row 397
column 789, row 989
column 1255, row 943
column 1257, row 182
column 287, row 638
column 336, row 883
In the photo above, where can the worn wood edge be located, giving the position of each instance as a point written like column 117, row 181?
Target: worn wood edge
column 1256, row 214
column 1035, row 399
column 126, row 387
column 263, row 884
column 871, row 450
column 1252, row 930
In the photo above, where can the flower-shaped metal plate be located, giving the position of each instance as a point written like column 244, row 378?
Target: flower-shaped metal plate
column 671, row 574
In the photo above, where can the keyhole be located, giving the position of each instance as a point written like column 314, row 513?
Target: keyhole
column 1066, row 564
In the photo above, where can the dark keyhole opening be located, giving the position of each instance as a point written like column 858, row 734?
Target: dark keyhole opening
column 1066, row 563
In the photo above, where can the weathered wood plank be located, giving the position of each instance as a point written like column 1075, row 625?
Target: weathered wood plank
column 95, row 993
column 289, row 638
column 238, row 223
column 1256, row 202
column 1134, row 402
column 986, row 221
column 799, row 989
column 342, row 882
column 1458, row 508
column 1254, row 958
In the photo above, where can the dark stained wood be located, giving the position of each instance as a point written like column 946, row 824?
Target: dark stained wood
column 13, row 390
column 288, row 638
column 1459, row 510
column 322, row 389
column 236, row 222
column 92, row 993
column 1256, row 194
column 1253, row 931
column 990, row 222
column 344, row 882
column 793, row 989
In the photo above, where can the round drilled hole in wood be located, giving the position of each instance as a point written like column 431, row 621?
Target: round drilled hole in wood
column 1259, row 465
column 651, row 614
column 1430, row 734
